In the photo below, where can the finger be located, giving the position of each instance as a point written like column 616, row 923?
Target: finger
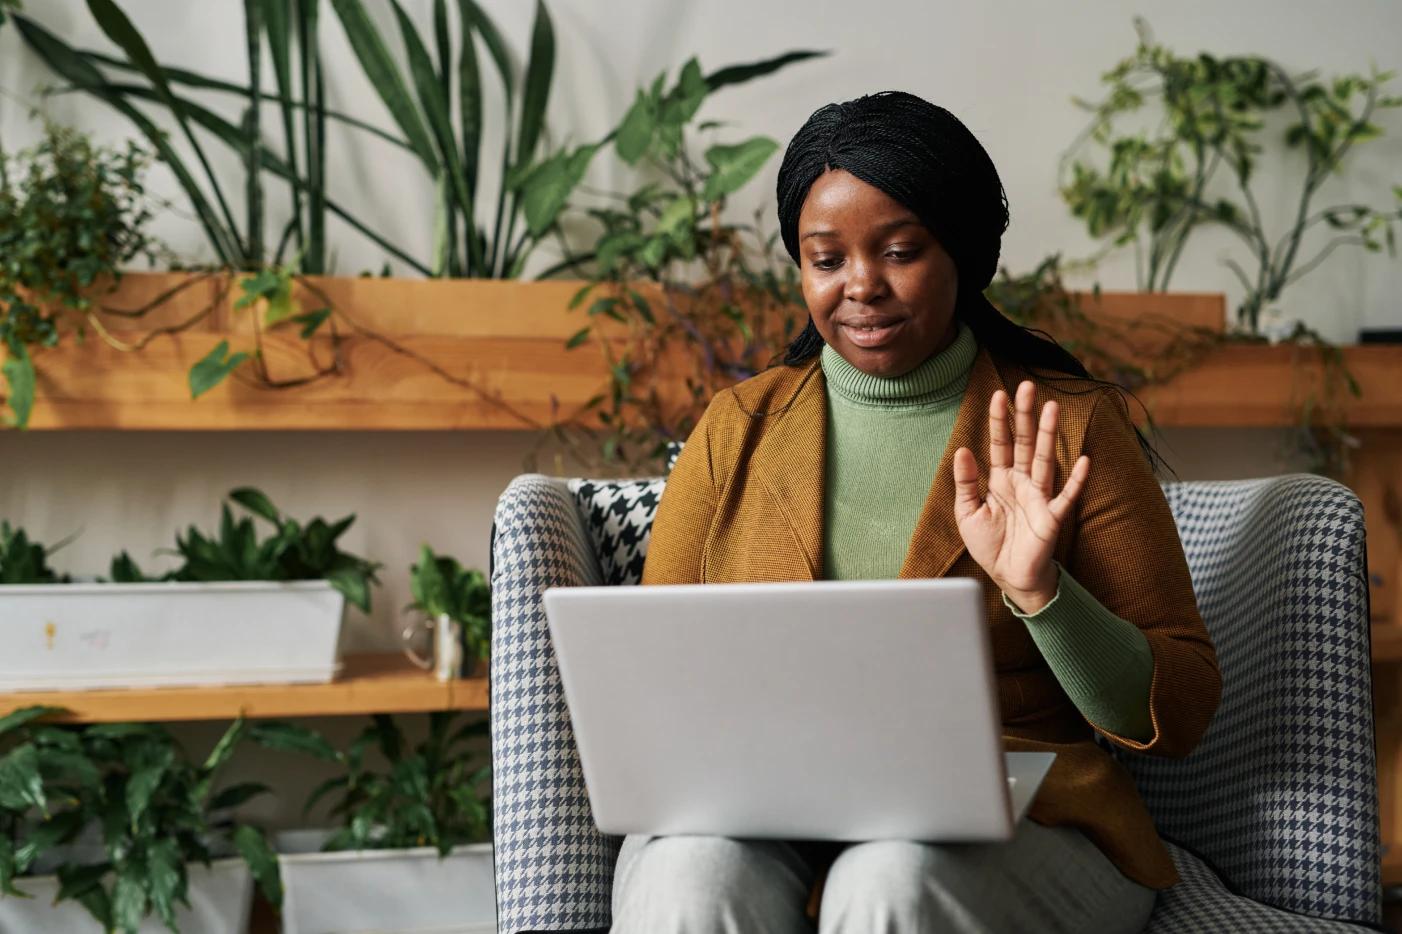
column 1000, row 453
column 1024, row 426
column 1060, row 506
column 1044, row 460
column 966, row 496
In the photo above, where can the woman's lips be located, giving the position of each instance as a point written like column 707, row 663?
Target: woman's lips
column 873, row 334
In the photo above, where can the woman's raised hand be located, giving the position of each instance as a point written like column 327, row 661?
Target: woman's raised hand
column 1012, row 532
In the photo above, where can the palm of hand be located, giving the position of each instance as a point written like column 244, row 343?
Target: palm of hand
column 1011, row 532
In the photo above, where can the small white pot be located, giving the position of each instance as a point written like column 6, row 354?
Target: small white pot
column 82, row 636
column 378, row 891
column 221, row 897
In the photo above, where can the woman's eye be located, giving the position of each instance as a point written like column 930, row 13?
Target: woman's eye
column 826, row 262
column 902, row 255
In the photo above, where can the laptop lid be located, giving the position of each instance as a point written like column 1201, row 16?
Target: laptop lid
column 843, row 710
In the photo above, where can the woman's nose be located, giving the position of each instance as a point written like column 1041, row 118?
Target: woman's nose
column 864, row 284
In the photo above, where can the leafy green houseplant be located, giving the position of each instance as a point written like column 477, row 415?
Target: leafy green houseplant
column 419, row 810
column 23, row 561
column 151, row 812
column 72, row 214
column 1198, row 164
column 677, row 292
column 444, row 590
column 293, row 552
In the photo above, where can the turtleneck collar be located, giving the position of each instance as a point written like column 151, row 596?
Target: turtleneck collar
column 940, row 377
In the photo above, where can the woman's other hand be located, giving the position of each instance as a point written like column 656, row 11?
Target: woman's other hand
column 1012, row 532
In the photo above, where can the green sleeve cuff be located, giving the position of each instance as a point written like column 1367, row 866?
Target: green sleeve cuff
column 1103, row 662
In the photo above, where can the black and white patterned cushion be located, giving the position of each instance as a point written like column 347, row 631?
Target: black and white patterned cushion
column 618, row 515
column 1281, row 795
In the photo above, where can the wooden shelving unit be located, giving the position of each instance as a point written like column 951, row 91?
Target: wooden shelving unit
column 369, row 683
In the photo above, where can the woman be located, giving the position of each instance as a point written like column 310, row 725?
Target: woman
column 882, row 447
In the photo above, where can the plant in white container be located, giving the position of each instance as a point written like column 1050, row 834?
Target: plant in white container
column 410, row 850
column 456, row 603
column 110, row 827
column 236, row 610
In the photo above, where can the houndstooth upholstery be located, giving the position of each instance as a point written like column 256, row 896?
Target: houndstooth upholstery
column 1280, row 797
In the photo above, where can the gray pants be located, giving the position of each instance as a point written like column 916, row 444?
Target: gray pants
column 1045, row 879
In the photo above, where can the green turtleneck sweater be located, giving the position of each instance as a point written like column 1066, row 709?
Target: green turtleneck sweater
column 872, row 503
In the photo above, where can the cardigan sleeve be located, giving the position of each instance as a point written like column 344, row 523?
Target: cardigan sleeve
column 1127, row 553
column 684, row 515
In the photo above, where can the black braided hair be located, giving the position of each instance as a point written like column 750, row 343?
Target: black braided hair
column 924, row 157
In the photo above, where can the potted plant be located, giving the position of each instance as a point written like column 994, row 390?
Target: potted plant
column 270, row 317
column 409, row 851
column 111, row 827
column 455, row 604
column 236, row 610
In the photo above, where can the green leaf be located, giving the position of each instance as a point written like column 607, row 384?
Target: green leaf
column 635, row 132
column 739, row 74
column 18, row 718
column 676, row 215
column 686, row 98
column 325, row 788
column 256, row 502
column 547, row 188
column 212, row 368
column 385, row 76
column 289, row 737
column 262, row 861
column 129, row 897
column 577, row 338
column 119, row 29
column 18, row 370
column 578, row 298
column 353, row 584
column 21, row 785
column 223, row 750
column 540, row 70
column 311, row 321
column 735, row 165
column 83, row 884
column 165, row 877
column 145, row 779
column 8, row 870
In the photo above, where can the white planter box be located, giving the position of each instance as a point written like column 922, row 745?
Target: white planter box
column 380, row 891
column 81, row 636
column 221, row 897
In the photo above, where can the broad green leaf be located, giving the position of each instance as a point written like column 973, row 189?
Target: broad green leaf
column 145, row 779
column 352, row 583
column 212, row 368
column 473, row 15
column 540, row 69
column 635, row 132
column 256, row 502
column 24, row 715
column 21, row 785
column 262, row 861
column 129, row 896
column 686, row 98
column 676, row 215
column 8, row 870
column 735, row 165
column 546, row 190
column 165, row 871
column 290, row 737
column 384, row 74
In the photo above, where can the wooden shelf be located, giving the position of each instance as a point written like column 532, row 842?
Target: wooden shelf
column 1387, row 642
column 1392, row 867
column 369, row 683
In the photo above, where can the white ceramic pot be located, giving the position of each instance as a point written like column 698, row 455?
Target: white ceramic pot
column 82, row 636
column 402, row 891
column 221, row 897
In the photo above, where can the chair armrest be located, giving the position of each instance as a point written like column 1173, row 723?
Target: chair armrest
column 554, row 869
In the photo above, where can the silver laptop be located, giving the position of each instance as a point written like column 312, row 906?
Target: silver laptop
column 834, row 710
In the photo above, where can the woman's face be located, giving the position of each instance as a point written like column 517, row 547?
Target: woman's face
column 879, row 286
